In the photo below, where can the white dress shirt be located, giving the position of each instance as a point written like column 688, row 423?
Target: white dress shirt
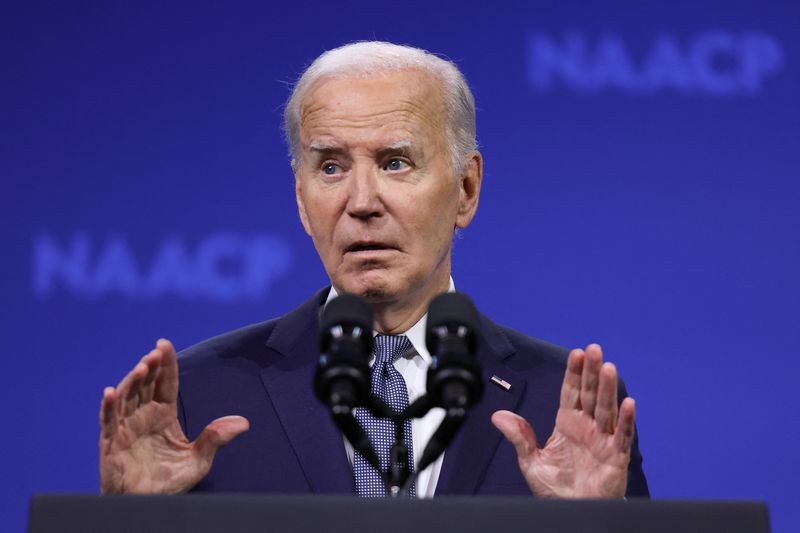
column 413, row 366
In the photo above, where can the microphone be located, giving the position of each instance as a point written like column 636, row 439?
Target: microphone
column 454, row 377
column 342, row 378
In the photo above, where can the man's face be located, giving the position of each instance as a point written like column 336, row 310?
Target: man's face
column 375, row 186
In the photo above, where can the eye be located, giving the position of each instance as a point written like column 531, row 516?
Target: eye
column 395, row 164
column 331, row 169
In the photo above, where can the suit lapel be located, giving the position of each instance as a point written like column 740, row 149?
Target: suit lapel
column 316, row 441
column 467, row 458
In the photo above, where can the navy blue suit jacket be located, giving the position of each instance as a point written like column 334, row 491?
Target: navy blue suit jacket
column 264, row 373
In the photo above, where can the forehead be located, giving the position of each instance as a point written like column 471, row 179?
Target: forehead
column 387, row 108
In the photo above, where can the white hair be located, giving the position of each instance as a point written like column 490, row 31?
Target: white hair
column 363, row 59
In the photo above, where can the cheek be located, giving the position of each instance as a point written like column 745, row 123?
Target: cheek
column 445, row 207
column 436, row 221
column 320, row 201
column 321, row 218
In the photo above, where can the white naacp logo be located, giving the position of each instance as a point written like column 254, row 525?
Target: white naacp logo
column 711, row 62
column 222, row 267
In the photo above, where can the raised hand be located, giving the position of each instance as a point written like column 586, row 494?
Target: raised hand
column 142, row 446
column 588, row 453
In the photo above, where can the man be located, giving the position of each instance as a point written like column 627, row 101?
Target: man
column 386, row 169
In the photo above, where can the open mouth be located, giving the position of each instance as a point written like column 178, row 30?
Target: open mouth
column 366, row 247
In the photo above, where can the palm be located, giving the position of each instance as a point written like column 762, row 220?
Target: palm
column 577, row 461
column 588, row 453
column 142, row 447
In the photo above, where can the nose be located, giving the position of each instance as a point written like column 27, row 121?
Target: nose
column 364, row 196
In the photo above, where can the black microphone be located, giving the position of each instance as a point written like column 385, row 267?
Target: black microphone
column 342, row 378
column 454, row 377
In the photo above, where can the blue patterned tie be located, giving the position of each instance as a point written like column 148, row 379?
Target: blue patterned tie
column 387, row 384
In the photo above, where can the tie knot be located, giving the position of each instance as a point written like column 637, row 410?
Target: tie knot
column 388, row 348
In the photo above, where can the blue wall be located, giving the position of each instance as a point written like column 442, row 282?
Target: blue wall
column 641, row 191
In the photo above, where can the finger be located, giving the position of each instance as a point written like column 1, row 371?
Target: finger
column 124, row 393
column 153, row 362
column 518, row 432
column 606, row 411
column 217, row 434
column 571, row 387
column 108, row 413
column 590, row 378
column 166, row 384
column 138, row 374
column 626, row 425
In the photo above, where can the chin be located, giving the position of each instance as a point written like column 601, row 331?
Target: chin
column 374, row 293
column 375, row 296
column 373, row 288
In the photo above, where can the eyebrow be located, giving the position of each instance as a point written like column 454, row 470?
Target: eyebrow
column 315, row 146
column 324, row 148
column 403, row 147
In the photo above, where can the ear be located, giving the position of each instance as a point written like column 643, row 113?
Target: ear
column 301, row 207
column 469, row 189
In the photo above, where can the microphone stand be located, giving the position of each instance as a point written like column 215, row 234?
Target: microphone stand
column 398, row 477
column 399, row 470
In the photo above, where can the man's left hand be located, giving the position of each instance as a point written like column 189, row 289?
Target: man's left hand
column 588, row 453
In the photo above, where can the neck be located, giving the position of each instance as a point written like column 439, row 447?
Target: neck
column 392, row 318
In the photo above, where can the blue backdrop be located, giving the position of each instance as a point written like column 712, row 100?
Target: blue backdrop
column 641, row 191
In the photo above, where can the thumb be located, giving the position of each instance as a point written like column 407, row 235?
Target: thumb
column 518, row 432
column 217, row 434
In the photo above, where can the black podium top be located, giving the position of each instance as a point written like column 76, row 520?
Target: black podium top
column 231, row 513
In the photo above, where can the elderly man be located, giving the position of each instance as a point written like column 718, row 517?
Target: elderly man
column 383, row 150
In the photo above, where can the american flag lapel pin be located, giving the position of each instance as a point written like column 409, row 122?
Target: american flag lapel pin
column 500, row 382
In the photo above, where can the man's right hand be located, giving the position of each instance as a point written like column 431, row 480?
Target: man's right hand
column 142, row 447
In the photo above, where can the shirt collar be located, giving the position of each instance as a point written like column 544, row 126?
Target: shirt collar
column 415, row 334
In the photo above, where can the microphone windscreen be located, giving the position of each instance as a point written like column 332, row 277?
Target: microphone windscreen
column 346, row 310
column 452, row 308
column 345, row 342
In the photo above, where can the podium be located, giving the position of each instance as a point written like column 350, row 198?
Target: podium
column 233, row 513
